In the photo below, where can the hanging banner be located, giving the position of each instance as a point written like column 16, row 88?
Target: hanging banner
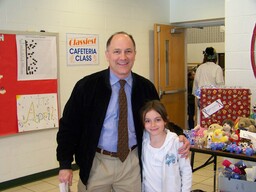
column 82, row 49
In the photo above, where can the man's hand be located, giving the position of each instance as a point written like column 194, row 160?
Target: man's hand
column 184, row 150
column 66, row 176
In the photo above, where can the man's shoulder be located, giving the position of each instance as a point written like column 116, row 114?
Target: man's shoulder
column 96, row 75
column 140, row 79
column 94, row 79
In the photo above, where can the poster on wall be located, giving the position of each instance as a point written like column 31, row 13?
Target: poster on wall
column 82, row 49
column 37, row 57
column 37, row 111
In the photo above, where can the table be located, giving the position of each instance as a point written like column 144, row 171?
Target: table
column 213, row 159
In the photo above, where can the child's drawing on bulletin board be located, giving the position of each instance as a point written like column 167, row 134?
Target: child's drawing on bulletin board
column 37, row 112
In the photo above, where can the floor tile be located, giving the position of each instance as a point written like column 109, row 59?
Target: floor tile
column 203, row 187
column 40, row 187
column 204, row 172
column 17, row 189
column 202, row 179
column 52, row 180
column 55, row 190
column 199, row 178
column 208, row 181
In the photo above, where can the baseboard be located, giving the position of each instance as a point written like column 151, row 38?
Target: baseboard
column 31, row 178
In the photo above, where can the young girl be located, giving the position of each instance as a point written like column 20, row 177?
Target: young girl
column 163, row 168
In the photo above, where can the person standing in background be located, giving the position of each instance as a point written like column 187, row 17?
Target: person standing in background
column 207, row 74
column 191, row 99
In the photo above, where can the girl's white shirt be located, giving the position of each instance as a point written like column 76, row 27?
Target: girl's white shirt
column 163, row 168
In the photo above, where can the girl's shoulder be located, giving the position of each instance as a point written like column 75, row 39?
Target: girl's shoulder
column 172, row 138
column 171, row 134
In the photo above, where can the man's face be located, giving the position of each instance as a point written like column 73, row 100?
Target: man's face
column 121, row 55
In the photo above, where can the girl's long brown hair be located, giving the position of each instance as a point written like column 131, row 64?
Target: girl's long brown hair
column 159, row 107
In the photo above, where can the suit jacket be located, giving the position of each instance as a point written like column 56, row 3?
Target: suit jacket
column 84, row 114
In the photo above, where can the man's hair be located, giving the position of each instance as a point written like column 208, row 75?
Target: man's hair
column 117, row 33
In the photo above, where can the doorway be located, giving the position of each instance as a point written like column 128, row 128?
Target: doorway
column 169, row 71
column 197, row 39
column 194, row 42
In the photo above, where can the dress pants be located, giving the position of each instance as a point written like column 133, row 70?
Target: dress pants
column 109, row 174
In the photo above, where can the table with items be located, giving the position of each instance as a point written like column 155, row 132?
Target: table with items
column 226, row 128
column 213, row 159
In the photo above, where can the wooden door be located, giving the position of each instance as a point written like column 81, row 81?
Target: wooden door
column 169, row 71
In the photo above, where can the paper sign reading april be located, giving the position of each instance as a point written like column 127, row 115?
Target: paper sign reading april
column 37, row 111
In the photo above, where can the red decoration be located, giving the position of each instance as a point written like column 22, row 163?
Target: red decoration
column 253, row 51
column 236, row 103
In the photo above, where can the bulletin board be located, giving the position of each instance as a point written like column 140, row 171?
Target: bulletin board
column 28, row 81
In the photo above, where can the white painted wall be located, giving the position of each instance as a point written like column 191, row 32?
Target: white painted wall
column 29, row 153
column 196, row 10
column 195, row 51
column 240, row 21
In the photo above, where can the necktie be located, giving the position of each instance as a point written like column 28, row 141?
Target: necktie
column 122, row 147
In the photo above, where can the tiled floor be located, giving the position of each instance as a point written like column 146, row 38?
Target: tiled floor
column 202, row 179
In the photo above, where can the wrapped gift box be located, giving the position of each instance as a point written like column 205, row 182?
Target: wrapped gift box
column 219, row 104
